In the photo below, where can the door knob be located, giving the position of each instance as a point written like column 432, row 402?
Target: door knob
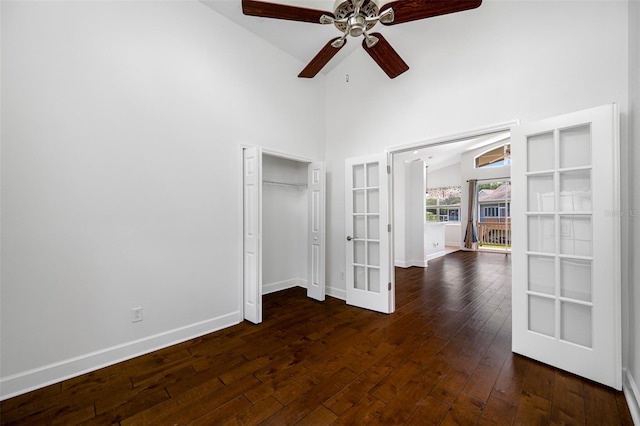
column 349, row 238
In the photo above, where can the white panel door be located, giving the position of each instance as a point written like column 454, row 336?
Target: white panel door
column 368, row 282
column 252, row 234
column 566, row 243
column 316, row 231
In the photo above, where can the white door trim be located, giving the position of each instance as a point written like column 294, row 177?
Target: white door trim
column 454, row 137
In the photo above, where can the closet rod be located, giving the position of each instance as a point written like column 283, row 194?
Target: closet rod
column 293, row 185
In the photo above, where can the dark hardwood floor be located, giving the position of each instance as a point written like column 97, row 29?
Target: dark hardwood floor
column 442, row 358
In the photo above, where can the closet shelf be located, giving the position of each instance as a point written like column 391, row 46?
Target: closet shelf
column 291, row 185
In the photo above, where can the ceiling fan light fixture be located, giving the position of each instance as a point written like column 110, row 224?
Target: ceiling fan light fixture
column 357, row 25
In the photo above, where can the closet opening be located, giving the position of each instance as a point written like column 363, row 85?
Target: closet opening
column 283, row 227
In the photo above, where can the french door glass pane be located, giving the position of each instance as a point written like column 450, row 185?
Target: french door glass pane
column 575, row 191
column 359, row 253
column 373, row 227
column 576, row 235
column 372, row 175
column 373, row 201
column 541, row 234
column 358, row 226
column 358, row 176
column 575, row 279
column 374, row 280
column 542, row 315
column 358, row 201
column 575, row 146
column 576, row 323
column 541, row 192
column 359, row 279
column 540, row 149
column 542, row 274
column 373, row 253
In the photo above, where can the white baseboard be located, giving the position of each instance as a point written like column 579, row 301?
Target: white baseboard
column 410, row 263
column 632, row 395
column 338, row 293
column 27, row 381
column 283, row 285
column 434, row 255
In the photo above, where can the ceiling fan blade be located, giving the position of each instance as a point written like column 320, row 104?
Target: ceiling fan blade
column 385, row 56
column 282, row 11
column 321, row 59
column 413, row 10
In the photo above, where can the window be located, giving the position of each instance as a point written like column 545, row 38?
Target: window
column 499, row 156
column 494, row 211
column 443, row 204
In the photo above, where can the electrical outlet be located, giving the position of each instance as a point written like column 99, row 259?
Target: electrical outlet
column 136, row 314
column 342, row 276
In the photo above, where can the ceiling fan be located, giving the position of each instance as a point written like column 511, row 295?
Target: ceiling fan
column 355, row 18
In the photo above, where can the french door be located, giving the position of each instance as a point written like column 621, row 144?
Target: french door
column 368, row 282
column 566, row 245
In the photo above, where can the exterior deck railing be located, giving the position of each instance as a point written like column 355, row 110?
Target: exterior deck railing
column 494, row 234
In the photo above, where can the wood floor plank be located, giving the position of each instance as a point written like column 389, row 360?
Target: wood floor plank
column 600, row 405
column 533, row 410
column 540, row 381
column 223, row 413
column 465, row 411
column 429, row 412
column 444, row 357
column 256, row 413
column 356, row 390
column 484, row 378
column 497, row 412
column 312, row 398
column 567, row 405
column 396, row 380
column 365, row 411
column 321, row 416
column 176, row 403
column 509, row 385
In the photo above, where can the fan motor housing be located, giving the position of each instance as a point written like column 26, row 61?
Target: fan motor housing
column 344, row 9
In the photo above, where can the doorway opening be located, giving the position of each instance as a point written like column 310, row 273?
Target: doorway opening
column 493, row 214
column 431, row 197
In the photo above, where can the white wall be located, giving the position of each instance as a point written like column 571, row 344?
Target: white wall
column 121, row 132
column 434, row 240
column 284, row 224
column 399, row 208
column 632, row 310
column 446, row 176
column 415, row 206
